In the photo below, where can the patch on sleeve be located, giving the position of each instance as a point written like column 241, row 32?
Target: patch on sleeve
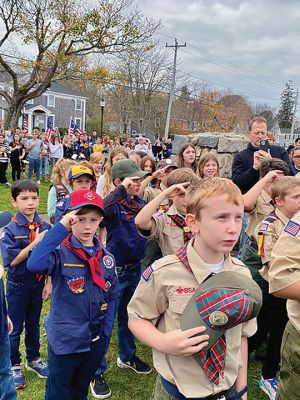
column 263, row 227
column 2, row 235
column 292, row 228
column 146, row 275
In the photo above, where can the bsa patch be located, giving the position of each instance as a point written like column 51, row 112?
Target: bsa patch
column 146, row 275
column 218, row 318
column 263, row 227
column 292, row 228
column 76, row 285
column 108, row 261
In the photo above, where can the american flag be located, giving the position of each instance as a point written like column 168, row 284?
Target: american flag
column 74, row 127
column 24, row 123
column 49, row 129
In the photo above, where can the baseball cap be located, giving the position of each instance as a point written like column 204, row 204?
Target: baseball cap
column 79, row 170
column 82, row 198
column 127, row 168
column 167, row 163
column 222, row 302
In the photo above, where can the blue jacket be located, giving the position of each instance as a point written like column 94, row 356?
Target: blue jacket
column 3, row 313
column 123, row 239
column 243, row 173
column 75, row 319
column 14, row 238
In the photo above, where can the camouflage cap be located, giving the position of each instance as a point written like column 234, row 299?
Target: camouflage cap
column 222, row 302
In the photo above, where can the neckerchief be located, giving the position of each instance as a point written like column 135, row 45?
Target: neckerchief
column 180, row 222
column 133, row 206
column 213, row 360
column 95, row 268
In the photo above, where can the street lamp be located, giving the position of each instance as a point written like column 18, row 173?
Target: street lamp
column 102, row 105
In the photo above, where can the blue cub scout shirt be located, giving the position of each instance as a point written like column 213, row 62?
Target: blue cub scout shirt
column 78, row 305
column 14, row 238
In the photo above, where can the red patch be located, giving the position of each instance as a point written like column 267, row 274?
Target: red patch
column 90, row 196
column 187, row 290
column 76, row 285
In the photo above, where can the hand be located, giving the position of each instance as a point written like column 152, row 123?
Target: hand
column 175, row 190
column 10, row 325
column 69, row 219
column 158, row 174
column 38, row 237
column 184, row 343
column 47, row 291
column 260, row 156
column 273, row 175
column 129, row 182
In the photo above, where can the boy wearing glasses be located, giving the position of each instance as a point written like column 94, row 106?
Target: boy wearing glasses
column 123, row 240
column 296, row 160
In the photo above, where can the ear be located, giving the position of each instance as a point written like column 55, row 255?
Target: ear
column 14, row 203
column 192, row 223
column 278, row 201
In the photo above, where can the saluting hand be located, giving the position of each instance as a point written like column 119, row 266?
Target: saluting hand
column 69, row 219
column 176, row 190
column 184, row 343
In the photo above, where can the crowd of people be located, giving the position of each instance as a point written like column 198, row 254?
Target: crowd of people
column 142, row 236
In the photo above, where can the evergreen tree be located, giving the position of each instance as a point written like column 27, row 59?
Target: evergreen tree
column 287, row 103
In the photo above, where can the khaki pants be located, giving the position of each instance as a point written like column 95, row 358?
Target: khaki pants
column 289, row 383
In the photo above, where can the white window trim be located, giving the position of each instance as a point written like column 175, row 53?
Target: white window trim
column 29, row 101
column 48, row 102
column 80, row 123
column 78, row 109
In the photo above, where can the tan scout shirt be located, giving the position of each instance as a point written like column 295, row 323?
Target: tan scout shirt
column 151, row 193
column 262, row 209
column 165, row 231
column 271, row 231
column 162, row 299
column 285, row 265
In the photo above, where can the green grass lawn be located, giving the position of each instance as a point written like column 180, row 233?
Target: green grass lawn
column 124, row 384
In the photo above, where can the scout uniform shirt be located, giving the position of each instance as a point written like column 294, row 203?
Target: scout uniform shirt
column 165, row 231
column 262, row 209
column 266, row 235
column 161, row 297
column 150, row 194
column 285, row 265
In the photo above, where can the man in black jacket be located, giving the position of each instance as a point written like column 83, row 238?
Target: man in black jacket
column 246, row 163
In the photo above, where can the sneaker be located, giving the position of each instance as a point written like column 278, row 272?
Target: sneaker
column 269, row 386
column 39, row 367
column 137, row 365
column 18, row 377
column 8, row 184
column 99, row 388
column 38, row 182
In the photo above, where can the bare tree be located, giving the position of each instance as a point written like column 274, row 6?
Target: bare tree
column 62, row 33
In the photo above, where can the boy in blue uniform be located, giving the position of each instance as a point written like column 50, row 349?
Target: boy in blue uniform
column 124, row 242
column 85, row 289
column 24, row 289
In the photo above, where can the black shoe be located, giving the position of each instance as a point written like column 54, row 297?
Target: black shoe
column 137, row 365
column 99, row 388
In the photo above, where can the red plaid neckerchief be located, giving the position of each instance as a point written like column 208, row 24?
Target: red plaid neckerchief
column 212, row 361
column 95, row 268
column 133, row 206
column 180, row 222
column 32, row 226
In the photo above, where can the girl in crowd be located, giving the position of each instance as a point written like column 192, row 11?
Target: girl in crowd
column 56, row 150
column 4, row 156
column 97, row 161
column 60, row 188
column 208, row 166
column 17, row 153
column 105, row 185
column 187, row 157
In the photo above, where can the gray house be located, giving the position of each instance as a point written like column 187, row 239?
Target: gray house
column 60, row 104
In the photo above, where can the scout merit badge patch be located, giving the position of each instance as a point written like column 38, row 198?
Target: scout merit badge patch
column 108, row 261
column 292, row 228
column 76, row 285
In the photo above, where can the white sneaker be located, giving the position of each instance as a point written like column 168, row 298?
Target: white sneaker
column 269, row 386
column 38, row 182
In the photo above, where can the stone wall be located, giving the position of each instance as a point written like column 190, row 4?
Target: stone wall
column 223, row 145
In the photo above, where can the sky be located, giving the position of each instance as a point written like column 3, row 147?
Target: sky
column 249, row 46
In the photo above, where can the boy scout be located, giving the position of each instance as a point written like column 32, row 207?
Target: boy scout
column 214, row 216
column 284, row 280
column 285, row 194
column 258, row 204
column 169, row 229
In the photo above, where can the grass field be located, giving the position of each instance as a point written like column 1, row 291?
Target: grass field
column 124, row 384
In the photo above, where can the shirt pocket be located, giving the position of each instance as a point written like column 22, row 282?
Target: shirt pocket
column 172, row 231
column 177, row 304
column 74, row 280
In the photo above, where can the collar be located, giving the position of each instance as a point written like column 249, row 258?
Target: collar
column 136, row 198
column 199, row 267
column 75, row 242
column 284, row 219
column 22, row 220
column 252, row 148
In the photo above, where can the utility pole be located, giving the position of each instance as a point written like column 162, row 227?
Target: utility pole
column 294, row 117
column 171, row 96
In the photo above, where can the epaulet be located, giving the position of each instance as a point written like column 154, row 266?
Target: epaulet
column 270, row 219
column 162, row 262
column 238, row 262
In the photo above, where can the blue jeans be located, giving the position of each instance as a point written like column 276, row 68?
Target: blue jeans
column 24, row 301
column 128, row 281
column 34, row 166
column 70, row 374
column 7, row 386
column 44, row 166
